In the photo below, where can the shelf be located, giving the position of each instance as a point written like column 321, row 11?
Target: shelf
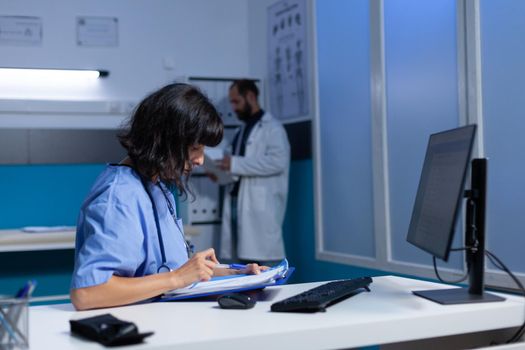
column 18, row 241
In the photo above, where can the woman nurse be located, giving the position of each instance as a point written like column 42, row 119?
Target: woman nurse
column 130, row 244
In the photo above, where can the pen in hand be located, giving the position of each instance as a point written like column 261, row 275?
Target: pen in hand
column 231, row 266
column 250, row 269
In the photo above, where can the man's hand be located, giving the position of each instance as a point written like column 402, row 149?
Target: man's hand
column 212, row 176
column 224, row 163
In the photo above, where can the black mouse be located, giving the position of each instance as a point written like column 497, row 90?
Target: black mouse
column 236, row 301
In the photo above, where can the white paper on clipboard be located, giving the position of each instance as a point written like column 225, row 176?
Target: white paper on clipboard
column 223, row 177
column 231, row 282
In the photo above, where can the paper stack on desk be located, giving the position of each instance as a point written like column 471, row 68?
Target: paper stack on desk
column 229, row 283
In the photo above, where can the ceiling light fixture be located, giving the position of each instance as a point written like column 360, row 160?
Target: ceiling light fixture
column 50, row 73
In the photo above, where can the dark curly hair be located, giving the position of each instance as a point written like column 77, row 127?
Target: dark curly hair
column 245, row 85
column 162, row 129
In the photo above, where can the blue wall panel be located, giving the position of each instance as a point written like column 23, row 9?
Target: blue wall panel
column 345, row 127
column 299, row 232
column 422, row 98
column 41, row 195
column 503, row 74
column 51, row 269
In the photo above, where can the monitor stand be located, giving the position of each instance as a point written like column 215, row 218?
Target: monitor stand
column 457, row 296
column 475, row 239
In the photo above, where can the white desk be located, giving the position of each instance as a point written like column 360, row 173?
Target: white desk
column 390, row 313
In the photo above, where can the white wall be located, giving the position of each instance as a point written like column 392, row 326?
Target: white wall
column 200, row 37
column 257, row 45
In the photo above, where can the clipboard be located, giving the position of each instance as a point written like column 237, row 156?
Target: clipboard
column 277, row 282
column 223, row 177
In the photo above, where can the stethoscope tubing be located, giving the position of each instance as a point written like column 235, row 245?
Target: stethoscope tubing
column 164, row 266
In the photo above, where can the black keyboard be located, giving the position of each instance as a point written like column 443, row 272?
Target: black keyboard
column 319, row 298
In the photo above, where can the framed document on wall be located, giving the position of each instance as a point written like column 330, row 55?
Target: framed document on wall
column 288, row 63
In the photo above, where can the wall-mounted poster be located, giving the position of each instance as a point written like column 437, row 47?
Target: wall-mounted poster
column 20, row 30
column 288, row 59
column 97, row 31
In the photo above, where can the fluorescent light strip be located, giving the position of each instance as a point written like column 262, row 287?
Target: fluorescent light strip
column 29, row 73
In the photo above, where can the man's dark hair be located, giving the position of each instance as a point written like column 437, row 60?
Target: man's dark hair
column 163, row 128
column 245, row 85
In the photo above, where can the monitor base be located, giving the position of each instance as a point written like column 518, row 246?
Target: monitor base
column 456, row 296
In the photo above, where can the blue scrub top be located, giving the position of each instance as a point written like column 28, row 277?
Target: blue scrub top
column 116, row 232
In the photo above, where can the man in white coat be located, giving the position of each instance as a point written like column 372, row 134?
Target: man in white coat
column 254, row 206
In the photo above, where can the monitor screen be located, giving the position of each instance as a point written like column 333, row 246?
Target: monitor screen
column 440, row 192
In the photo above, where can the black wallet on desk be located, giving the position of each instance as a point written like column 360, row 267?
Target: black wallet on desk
column 108, row 330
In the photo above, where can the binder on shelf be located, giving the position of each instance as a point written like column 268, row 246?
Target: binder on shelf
column 274, row 276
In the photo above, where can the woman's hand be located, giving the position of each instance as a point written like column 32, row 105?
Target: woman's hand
column 251, row 269
column 198, row 268
column 254, row 269
column 126, row 290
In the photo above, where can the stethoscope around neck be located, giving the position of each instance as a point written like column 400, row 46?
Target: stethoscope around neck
column 164, row 266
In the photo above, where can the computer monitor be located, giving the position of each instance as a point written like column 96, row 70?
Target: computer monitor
column 436, row 209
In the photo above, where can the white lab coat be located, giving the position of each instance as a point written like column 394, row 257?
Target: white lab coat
column 262, row 194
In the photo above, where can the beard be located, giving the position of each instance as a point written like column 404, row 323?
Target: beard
column 245, row 113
